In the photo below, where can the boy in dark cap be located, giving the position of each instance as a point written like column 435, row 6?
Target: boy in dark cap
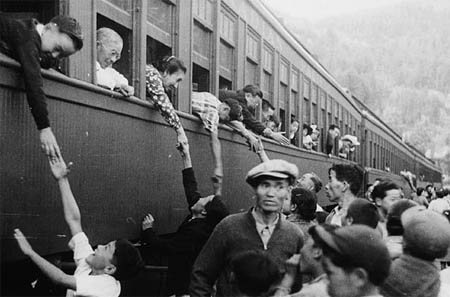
column 30, row 43
column 98, row 271
column 261, row 228
column 356, row 260
column 426, row 237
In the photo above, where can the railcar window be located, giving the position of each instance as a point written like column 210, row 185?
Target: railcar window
column 323, row 119
column 203, row 9
column 267, row 81
column 314, row 107
column 252, row 61
column 122, row 4
column 306, row 103
column 345, row 117
column 124, row 64
column 227, row 48
column 283, row 100
column 201, row 57
column 161, row 14
column 295, row 102
column 25, row 9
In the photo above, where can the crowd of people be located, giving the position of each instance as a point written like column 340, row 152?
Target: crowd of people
column 382, row 244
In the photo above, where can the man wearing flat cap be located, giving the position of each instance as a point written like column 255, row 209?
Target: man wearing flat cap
column 426, row 237
column 260, row 228
column 356, row 260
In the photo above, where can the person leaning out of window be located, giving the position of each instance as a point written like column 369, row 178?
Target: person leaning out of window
column 160, row 77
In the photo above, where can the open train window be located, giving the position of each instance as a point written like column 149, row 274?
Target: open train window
column 125, row 62
column 200, row 79
column 156, row 50
column 227, row 47
column 225, row 84
column 43, row 10
column 253, row 57
column 267, row 79
column 283, row 99
column 306, row 102
column 251, row 73
column 201, row 57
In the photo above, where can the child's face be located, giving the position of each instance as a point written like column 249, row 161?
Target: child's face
column 102, row 257
column 55, row 43
column 224, row 112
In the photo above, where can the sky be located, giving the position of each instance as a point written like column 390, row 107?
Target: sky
column 314, row 10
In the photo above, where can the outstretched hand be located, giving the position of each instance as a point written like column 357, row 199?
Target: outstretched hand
column 126, row 90
column 24, row 245
column 278, row 136
column 147, row 222
column 58, row 167
column 49, row 146
column 253, row 143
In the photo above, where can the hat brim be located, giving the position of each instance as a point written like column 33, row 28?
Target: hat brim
column 272, row 174
column 327, row 238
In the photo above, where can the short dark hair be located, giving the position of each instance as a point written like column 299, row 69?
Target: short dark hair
column 363, row 212
column 441, row 193
column 352, row 174
column 235, row 109
column 379, row 191
column 254, row 90
column 266, row 105
column 306, row 202
column 274, row 119
column 419, row 191
column 394, row 224
column 308, row 129
column 333, row 126
column 170, row 64
column 376, row 273
column 255, row 272
column 127, row 259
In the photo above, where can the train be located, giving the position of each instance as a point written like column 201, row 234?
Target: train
column 124, row 155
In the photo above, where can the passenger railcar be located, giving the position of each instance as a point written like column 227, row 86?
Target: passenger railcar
column 125, row 159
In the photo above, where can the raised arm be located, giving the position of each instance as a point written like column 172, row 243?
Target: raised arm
column 262, row 153
column 155, row 90
column 51, row 271
column 217, row 156
column 189, row 180
column 249, row 136
column 71, row 210
column 28, row 56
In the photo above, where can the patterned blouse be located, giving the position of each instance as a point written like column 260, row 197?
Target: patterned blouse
column 156, row 92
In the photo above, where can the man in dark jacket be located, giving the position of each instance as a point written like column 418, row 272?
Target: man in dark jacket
column 33, row 44
column 249, row 97
column 183, row 248
column 261, row 228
